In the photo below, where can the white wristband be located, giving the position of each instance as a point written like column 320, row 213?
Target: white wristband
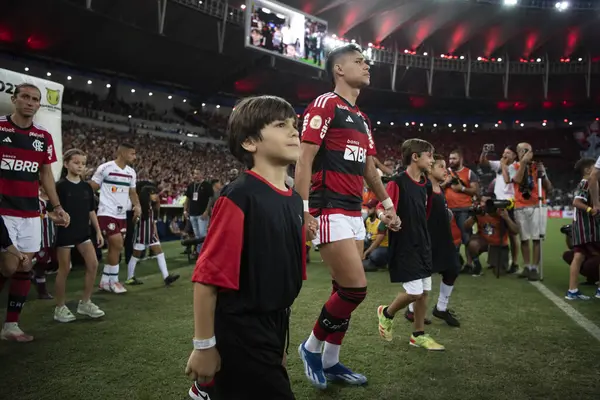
column 305, row 202
column 379, row 214
column 387, row 203
column 203, row 344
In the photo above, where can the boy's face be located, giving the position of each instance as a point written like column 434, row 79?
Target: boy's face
column 425, row 161
column 439, row 171
column 280, row 142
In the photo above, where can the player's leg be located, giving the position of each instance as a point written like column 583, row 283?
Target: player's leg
column 85, row 306
column 112, row 230
column 441, row 309
column 41, row 265
column 26, row 235
column 62, row 312
column 139, row 245
column 157, row 250
column 337, row 242
column 574, row 293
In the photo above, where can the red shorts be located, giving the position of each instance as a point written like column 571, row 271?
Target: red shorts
column 110, row 226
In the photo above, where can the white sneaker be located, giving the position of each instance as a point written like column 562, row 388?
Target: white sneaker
column 63, row 314
column 90, row 309
column 105, row 286
column 117, row 287
column 11, row 331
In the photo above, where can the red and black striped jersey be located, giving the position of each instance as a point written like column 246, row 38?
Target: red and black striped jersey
column 22, row 154
column 344, row 136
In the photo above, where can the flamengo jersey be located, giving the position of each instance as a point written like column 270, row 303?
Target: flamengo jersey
column 22, row 154
column 344, row 136
column 114, row 189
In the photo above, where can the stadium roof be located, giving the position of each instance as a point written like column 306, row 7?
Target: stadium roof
column 483, row 28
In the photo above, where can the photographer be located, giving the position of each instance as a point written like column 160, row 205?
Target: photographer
column 591, row 257
column 376, row 240
column 460, row 187
column 493, row 228
column 530, row 218
column 504, row 188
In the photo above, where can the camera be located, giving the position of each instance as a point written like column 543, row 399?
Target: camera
column 566, row 229
column 491, row 206
column 454, row 181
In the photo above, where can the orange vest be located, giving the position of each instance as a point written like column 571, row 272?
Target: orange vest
column 456, row 234
column 490, row 228
column 520, row 201
column 458, row 199
column 367, row 196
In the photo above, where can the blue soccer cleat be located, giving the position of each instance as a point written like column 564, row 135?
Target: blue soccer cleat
column 313, row 367
column 341, row 373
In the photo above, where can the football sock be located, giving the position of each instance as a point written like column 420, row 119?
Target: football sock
column 444, row 296
column 334, row 287
column 17, row 295
column 411, row 307
column 418, row 333
column 131, row 267
column 385, row 314
column 331, row 354
column 114, row 273
column 162, row 265
column 106, row 274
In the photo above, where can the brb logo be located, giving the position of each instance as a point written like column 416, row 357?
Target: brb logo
column 354, row 152
column 13, row 164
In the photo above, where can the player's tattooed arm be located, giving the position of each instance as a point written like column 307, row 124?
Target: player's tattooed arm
column 302, row 179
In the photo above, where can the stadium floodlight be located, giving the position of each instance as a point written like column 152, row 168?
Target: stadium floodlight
column 185, row 100
column 449, row 125
column 479, row 58
column 132, row 90
column 476, row 126
column 580, row 59
column 495, row 125
column 378, row 122
column 435, row 125
column 522, row 124
column 48, row 73
column 570, row 123
column 370, row 44
column 442, row 55
column 425, row 53
column 218, row 106
column 462, row 57
column 266, row 10
column 464, row 125
column 170, row 97
column 69, row 78
column 510, row 2
column 499, row 59
column 353, row 41
column 150, row 94
column 562, row 5
column 195, row 112
column 543, row 124
column 107, row 85
column 407, row 124
column 26, row 69
column 203, row 104
column 421, row 124
column 129, row 116
column 243, row 6
column 391, row 124
column 89, row 82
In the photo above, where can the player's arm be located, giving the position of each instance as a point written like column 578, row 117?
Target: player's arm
column 374, row 181
column 47, row 181
column 218, row 265
column 97, row 179
column 581, row 197
column 303, row 174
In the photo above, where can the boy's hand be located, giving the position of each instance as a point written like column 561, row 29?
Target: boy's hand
column 100, row 239
column 311, row 225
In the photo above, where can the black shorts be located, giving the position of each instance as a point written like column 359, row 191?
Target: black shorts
column 67, row 239
column 251, row 348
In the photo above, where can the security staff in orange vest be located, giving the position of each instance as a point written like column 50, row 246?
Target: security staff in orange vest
column 460, row 187
column 531, row 220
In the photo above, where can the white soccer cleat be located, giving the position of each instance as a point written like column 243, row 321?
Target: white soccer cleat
column 117, row 288
column 63, row 314
column 89, row 309
column 11, row 331
column 105, row 286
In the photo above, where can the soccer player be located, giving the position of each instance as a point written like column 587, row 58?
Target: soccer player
column 585, row 229
column 26, row 153
column 78, row 199
column 116, row 181
column 147, row 236
column 337, row 149
column 410, row 248
column 252, row 263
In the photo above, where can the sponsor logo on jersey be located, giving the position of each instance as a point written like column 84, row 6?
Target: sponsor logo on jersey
column 342, row 107
column 305, row 122
column 5, row 129
column 14, row 164
column 115, row 189
column 36, row 135
column 355, row 153
column 50, row 150
column 325, row 127
column 53, row 96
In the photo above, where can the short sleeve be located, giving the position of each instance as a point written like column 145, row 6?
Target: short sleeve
column 219, row 261
column 582, row 191
column 50, row 150
column 495, row 166
column 98, row 176
column 473, row 177
column 92, row 200
column 133, row 179
column 512, row 170
column 597, row 165
column 317, row 118
column 188, row 192
column 381, row 228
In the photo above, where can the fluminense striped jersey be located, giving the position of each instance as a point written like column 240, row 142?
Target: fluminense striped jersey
column 115, row 183
column 48, row 228
column 585, row 226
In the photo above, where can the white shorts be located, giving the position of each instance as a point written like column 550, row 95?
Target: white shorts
column 25, row 233
column 418, row 286
column 142, row 247
column 532, row 222
column 336, row 227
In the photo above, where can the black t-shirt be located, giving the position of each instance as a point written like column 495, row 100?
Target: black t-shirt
column 4, row 236
column 77, row 199
column 254, row 251
column 410, row 247
column 443, row 252
column 198, row 195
